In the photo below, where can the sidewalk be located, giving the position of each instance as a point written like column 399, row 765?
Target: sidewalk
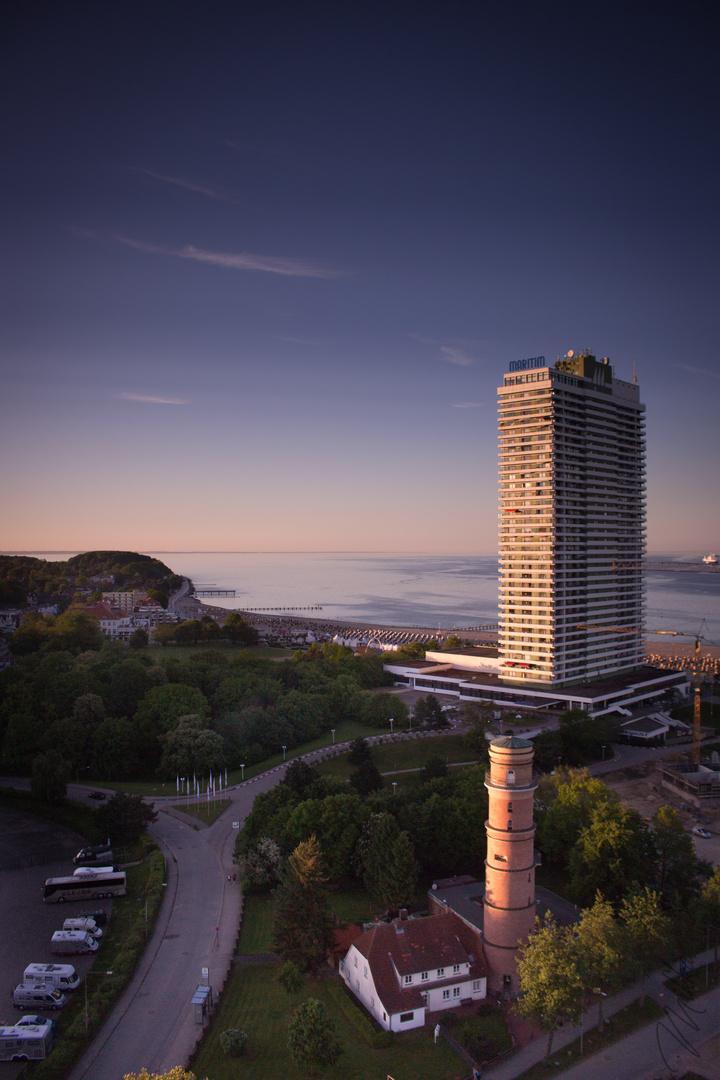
column 686, row 1027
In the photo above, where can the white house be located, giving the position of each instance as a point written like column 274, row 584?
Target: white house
column 403, row 970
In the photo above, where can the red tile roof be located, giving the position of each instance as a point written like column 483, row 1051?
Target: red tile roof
column 416, row 945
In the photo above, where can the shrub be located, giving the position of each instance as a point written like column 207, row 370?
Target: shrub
column 234, row 1042
column 290, row 977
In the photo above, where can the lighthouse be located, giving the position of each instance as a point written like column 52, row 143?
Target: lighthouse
column 509, row 900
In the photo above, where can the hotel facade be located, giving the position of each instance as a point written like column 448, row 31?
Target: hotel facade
column 571, row 544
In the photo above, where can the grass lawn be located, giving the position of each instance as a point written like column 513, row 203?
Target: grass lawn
column 257, row 925
column 696, row 982
column 617, row 1027
column 410, row 754
column 204, row 810
column 255, row 1002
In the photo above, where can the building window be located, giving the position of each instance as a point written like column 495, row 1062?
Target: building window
column 500, row 858
column 456, row 991
column 441, row 973
column 456, row 969
column 509, row 808
column 511, row 776
column 446, row 995
column 423, row 976
column 509, row 828
column 477, row 985
column 355, row 959
column 405, row 1018
column 408, row 980
column 365, row 972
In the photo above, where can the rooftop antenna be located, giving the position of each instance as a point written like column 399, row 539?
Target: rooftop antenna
column 634, row 374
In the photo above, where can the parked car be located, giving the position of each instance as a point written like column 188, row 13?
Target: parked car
column 99, row 916
column 698, row 830
column 98, row 795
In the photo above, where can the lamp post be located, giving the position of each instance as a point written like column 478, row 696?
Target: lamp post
column 332, row 732
column 394, row 784
column 284, row 749
column 603, row 753
column 391, row 725
column 410, row 720
column 242, row 774
column 83, row 768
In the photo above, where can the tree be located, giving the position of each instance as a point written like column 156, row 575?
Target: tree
column 124, row 818
column 453, row 642
column 233, row 1042
column 366, row 779
column 302, row 932
column 178, row 1073
column 300, row 777
column 50, row 776
column 239, row 631
column 260, row 866
column 411, row 650
column 550, row 978
column 398, row 878
column 359, row 752
column 564, row 805
column 612, row 854
column 602, row 945
column 428, row 711
column 648, row 932
column 139, row 639
column 191, row 749
column 312, row 1039
column 679, row 874
column 164, row 634
column 434, row 768
column 379, row 708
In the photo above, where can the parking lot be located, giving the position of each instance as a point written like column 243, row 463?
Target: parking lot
column 31, row 850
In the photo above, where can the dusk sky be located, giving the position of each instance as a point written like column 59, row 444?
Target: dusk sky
column 264, row 265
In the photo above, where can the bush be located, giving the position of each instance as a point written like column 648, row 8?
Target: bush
column 234, row 1042
column 290, row 977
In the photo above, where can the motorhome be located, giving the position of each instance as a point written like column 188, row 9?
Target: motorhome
column 28, row 1040
column 60, row 976
column 93, row 856
column 30, row 996
column 69, row 942
column 87, row 924
column 92, row 871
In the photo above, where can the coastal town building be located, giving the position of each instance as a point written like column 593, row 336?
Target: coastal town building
column 571, row 543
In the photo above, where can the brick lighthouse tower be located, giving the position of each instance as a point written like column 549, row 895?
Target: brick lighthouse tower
column 509, row 901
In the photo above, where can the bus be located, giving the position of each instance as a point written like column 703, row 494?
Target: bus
column 96, row 887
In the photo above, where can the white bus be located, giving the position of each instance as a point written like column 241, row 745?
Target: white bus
column 94, row 887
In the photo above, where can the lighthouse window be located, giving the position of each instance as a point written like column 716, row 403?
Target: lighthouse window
column 509, row 808
column 501, row 858
column 511, row 776
column 509, row 826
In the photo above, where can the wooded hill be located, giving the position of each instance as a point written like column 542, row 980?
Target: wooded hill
column 23, row 575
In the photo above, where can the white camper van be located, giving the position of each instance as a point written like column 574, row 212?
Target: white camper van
column 29, row 996
column 57, row 976
column 92, row 871
column 67, row 942
column 28, row 1040
column 87, row 924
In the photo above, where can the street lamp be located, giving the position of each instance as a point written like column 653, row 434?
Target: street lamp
column 603, row 753
column 242, row 775
column 284, row 749
column 394, row 784
column 83, row 768
column 332, row 731
column 391, row 725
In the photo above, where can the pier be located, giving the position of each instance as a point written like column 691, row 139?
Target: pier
column 214, row 592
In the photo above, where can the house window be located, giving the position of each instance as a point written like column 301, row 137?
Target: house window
column 385, row 1017
column 408, row 980
column 405, row 1018
column 456, row 991
column 365, row 972
column 355, row 959
column 477, row 985
column 423, row 976
column 446, row 995
column 456, row 969
column 441, row 973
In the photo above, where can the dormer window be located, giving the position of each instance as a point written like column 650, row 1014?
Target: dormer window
column 456, row 969
column 423, row 976
column 408, row 980
column 440, row 973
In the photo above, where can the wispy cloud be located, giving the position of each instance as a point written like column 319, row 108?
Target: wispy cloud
column 148, row 399
column 244, row 261
column 452, row 351
column 466, row 404
column 201, row 186
column 698, row 370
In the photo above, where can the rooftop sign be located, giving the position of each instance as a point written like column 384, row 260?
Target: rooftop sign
column 526, row 365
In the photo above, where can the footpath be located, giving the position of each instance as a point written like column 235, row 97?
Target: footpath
column 676, row 1043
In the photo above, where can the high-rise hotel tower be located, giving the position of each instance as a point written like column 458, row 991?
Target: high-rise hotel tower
column 572, row 511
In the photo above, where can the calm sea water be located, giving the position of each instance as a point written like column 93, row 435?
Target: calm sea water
column 440, row 591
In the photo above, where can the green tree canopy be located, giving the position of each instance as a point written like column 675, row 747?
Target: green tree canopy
column 312, row 1039
column 302, row 931
column 191, row 749
column 124, row 818
column 550, row 978
column 50, row 776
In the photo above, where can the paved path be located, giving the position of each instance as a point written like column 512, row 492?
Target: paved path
column 660, row 1049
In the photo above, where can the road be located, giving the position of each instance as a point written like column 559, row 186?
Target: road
column 153, row 1024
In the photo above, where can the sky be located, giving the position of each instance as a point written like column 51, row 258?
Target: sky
column 264, row 265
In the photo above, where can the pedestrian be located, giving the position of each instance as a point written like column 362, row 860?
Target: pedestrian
column 229, row 878
column 234, row 877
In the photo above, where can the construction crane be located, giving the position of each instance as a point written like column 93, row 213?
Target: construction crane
column 697, row 681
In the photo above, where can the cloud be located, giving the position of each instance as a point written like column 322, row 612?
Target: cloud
column 456, row 356
column 244, row 261
column 203, row 187
column 453, row 351
column 698, row 370
column 467, row 404
column 149, row 400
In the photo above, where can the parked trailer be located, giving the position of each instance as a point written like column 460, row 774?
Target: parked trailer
column 88, row 887
column 28, row 1040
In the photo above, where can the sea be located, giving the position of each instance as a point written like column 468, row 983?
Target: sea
column 410, row 589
